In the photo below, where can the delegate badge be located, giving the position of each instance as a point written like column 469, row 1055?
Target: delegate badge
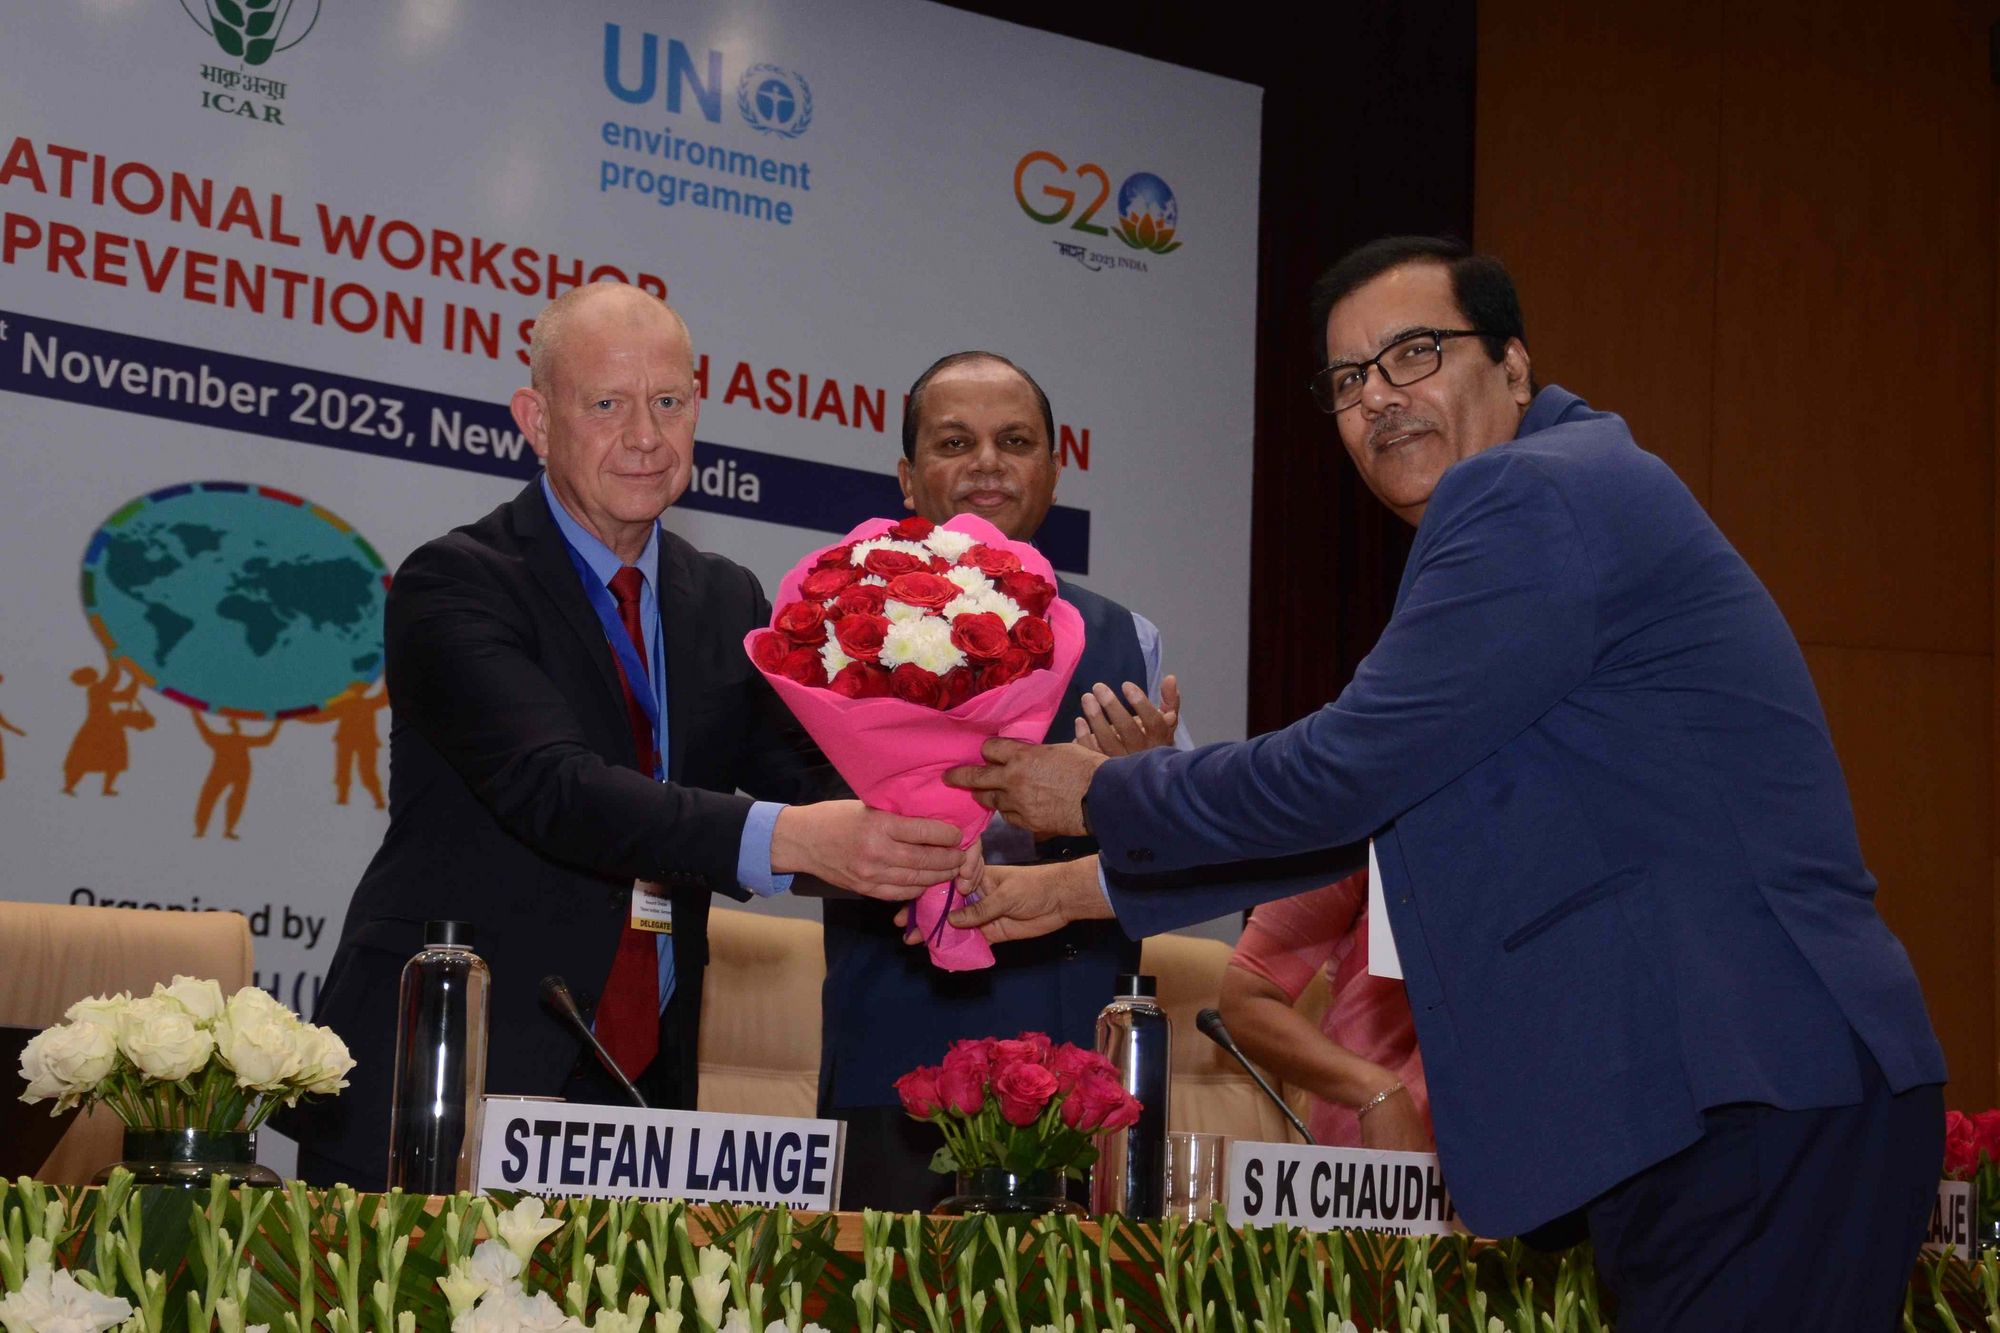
column 652, row 909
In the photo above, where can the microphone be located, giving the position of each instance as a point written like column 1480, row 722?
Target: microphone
column 559, row 1002
column 1211, row 1025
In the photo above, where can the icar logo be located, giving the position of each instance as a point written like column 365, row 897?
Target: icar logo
column 254, row 30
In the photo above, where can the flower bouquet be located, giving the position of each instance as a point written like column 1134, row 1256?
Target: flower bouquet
column 1972, row 1152
column 1021, row 1106
column 184, row 1061
column 902, row 650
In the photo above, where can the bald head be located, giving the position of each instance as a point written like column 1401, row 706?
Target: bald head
column 610, row 299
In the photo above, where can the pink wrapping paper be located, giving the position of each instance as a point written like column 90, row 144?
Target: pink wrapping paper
column 894, row 753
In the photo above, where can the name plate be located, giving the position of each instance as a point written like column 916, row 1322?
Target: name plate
column 1322, row 1189
column 1952, row 1220
column 622, row 1152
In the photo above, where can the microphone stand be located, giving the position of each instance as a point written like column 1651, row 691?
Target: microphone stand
column 560, row 1003
column 1211, row 1025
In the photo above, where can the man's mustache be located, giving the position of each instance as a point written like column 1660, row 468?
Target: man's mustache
column 1388, row 428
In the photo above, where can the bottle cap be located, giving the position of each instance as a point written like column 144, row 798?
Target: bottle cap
column 448, row 933
column 1133, row 983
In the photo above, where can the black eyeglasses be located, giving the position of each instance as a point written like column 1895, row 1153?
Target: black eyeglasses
column 1402, row 363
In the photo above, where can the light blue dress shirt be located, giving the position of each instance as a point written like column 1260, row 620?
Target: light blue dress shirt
column 753, row 857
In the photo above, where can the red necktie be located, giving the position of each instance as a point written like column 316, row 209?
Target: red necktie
column 628, row 1016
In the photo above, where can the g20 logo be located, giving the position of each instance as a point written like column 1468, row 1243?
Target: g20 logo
column 1147, row 213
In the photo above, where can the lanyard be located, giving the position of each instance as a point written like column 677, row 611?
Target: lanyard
column 650, row 699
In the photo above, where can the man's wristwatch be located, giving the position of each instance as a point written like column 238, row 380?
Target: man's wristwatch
column 1083, row 808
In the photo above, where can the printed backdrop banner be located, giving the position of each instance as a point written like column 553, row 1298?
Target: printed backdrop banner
column 267, row 273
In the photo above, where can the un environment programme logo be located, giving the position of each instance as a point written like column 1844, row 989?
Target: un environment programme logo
column 1146, row 218
column 775, row 101
column 240, row 604
column 250, row 32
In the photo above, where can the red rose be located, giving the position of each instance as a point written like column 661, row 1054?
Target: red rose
column 1013, row 664
column 860, row 680
column 1032, row 1047
column 1024, row 1090
column 963, row 1087
column 912, row 529
column 1032, row 591
column 1034, row 636
column 1961, row 1145
column 768, row 650
column 919, row 1091
column 956, row 687
column 1122, row 1116
column 862, row 599
column 980, row 635
column 975, row 1053
column 828, row 581
column 992, row 561
column 860, row 635
column 804, row 666
column 1094, row 1096
column 802, row 622
column 923, row 589
column 835, row 555
column 1070, row 1063
column 889, row 563
column 911, row 682
column 1986, row 1134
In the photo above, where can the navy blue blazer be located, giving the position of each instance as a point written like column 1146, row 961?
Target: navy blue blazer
column 1617, row 850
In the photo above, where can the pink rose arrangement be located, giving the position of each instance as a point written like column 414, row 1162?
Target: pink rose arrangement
column 1020, row 1104
column 1972, row 1152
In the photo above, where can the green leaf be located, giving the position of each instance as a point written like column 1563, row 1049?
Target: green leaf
column 229, row 40
column 257, row 52
column 260, row 24
column 229, row 12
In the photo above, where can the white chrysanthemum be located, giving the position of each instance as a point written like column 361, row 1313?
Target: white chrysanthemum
column 902, row 613
column 832, row 658
column 926, row 642
column 949, row 544
column 969, row 579
column 861, row 549
column 999, row 603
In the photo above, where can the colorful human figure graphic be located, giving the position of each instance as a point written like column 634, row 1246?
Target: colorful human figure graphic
column 5, row 725
column 356, row 747
column 110, row 709
column 230, row 772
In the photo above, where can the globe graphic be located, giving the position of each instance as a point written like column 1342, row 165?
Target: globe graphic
column 237, row 597
column 1143, row 194
column 775, row 102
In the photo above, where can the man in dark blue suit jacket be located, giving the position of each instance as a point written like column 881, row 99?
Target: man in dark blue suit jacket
column 1617, row 851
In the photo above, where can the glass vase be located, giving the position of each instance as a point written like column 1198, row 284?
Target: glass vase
column 992, row 1189
column 186, row 1158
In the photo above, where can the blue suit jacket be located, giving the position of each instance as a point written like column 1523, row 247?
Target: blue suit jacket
column 1618, row 854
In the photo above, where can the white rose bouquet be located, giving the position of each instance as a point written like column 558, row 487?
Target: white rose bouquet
column 184, row 1057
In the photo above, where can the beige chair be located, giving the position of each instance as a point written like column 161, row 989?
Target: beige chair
column 760, row 1025
column 53, row 956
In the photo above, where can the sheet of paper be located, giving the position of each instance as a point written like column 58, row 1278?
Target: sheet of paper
column 1382, row 959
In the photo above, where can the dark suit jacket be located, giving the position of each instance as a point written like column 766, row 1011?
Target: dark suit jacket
column 515, row 803
column 1617, row 849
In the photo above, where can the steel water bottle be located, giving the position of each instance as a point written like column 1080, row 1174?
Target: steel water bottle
column 440, row 1069
column 1136, row 1036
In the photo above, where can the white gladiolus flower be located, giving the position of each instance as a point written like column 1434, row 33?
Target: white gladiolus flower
column 926, row 642
column 902, row 613
column 100, row 1009
column 67, row 1061
column 523, row 1227
column 831, row 658
column 202, row 999
column 259, row 1041
column 462, row 1287
column 159, row 1037
column 324, row 1060
column 710, row 1287
column 511, row 1310
column 861, row 549
column 968, row 579
column 950, row 544
column 737, row 1322
column 51, row 1301
column 999, row 603
column 493, row 1264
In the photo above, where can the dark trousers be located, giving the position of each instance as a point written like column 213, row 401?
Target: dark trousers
column 669, row 1082
column 1778, row 1219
